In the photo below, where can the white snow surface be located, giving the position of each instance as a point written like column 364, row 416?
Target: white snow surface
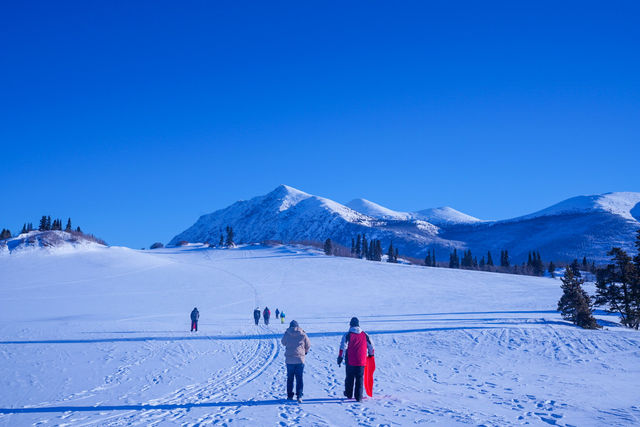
column 446, row 216
column 100, row 337
column 624, row 204
column 375, row 210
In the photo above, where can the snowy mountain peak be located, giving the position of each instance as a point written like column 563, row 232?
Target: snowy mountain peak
column 624, row 204
column 375, row 210
column 286, row 196
column 446, row 216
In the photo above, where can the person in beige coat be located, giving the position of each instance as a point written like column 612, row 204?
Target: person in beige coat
column 297, row 346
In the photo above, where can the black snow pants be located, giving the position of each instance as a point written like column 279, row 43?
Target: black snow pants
column 354, row 373
column 294, row 370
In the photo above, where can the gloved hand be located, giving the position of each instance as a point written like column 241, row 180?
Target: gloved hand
column 339, row 360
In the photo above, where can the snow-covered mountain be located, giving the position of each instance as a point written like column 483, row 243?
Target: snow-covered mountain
column 582, row 226
column 377, row 211
column 446, row 216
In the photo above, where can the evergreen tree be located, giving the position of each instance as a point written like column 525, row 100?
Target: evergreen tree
column 5, row 234
column 427, row 259
column 48, row 224
column 390, row 253
column 489, row 259
column 575, row 304
column 221, row 242
column 78, row 229
column 454, row 261
column 365, row 248
column 378, row 250
column 24, row 229
column 618, row 287
column 395, row 256
column 353, row 246
column 504, row 258
column 68, row 227
column 529, row 262
column 552, row 269
column 43, row 223
column 328, row 247
column 229, row 242
column 29, row 227
column 584, row 263
column 575, row 269
column 482, row 263
column 433, row 258
column 358, row 247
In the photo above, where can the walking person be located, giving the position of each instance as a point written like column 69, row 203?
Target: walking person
column 355, row 347
column 297, row 346
column 195, row 315
column 256, row 315
column 282, row 317
column 266, row 314
column 277, row 313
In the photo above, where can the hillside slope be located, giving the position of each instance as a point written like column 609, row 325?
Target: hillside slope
column 100, row 337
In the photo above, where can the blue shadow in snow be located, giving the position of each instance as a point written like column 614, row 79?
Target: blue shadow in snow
column 279, row 335
column 163, row 407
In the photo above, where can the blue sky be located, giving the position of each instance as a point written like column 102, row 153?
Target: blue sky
column 134, row 118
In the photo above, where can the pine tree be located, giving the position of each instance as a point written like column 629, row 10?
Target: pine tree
column 378, row 250
column 48, row 224
column 365, row 248
column 358, row 247
column 584, row 263
column 221, row 241
column 68, row 227
column 529, row 262
column 78, row 229
column 575, row 304
column 618, row 287
column 390, row 252
column 29, row 227
column 353, row 246
column 229, row 242
column 5, row 234
column 427, row 259
column 552, row 269
column 395, row 256
column 433, row 258
column 24, row 229
column 328, row 247
column 575, row 268
column 43, row 223
column 489, row 259
column 454, row 261
column 482, row 263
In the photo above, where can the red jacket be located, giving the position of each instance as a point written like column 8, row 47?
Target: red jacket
column 358, row 346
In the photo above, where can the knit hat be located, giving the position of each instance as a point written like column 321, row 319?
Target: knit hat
column 354, row 322
column 293, row 324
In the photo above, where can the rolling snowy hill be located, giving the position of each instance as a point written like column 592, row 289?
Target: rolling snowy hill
column 100, row 337
column 582, row 226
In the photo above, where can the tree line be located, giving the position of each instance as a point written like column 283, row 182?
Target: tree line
column 46, row 224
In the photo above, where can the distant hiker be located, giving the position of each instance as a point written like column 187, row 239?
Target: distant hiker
column 297, row 346
column 282, row 317
column 195, row 315
column 256, row 315
column 355, row 346
column 266, row 314
column 277, row 313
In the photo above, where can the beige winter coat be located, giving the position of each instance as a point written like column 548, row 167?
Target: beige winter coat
column 297, row 344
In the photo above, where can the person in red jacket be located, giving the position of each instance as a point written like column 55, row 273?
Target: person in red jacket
column 355, row 347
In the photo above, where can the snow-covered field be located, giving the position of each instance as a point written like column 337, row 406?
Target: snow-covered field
column 100, row 336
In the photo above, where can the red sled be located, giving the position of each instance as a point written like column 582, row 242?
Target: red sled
column 369, row 368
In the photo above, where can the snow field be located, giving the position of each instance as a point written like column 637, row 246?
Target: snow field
column 100, row 337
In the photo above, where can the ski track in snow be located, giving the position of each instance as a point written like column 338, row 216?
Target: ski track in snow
column 491, row 367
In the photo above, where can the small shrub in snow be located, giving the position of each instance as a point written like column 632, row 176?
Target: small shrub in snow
column 156, row 245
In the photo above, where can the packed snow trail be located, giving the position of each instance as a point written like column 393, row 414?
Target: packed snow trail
column 101, row 337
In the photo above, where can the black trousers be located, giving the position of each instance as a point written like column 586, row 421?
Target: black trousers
column 294, row 370
column 354, row 374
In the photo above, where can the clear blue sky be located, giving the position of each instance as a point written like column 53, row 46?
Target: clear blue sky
column 134, row 118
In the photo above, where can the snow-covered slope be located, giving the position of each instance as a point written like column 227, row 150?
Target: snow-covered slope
column 377, row 211
column 623, row 204
column 100, row 337
column 446, row 216
column 51, row 241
